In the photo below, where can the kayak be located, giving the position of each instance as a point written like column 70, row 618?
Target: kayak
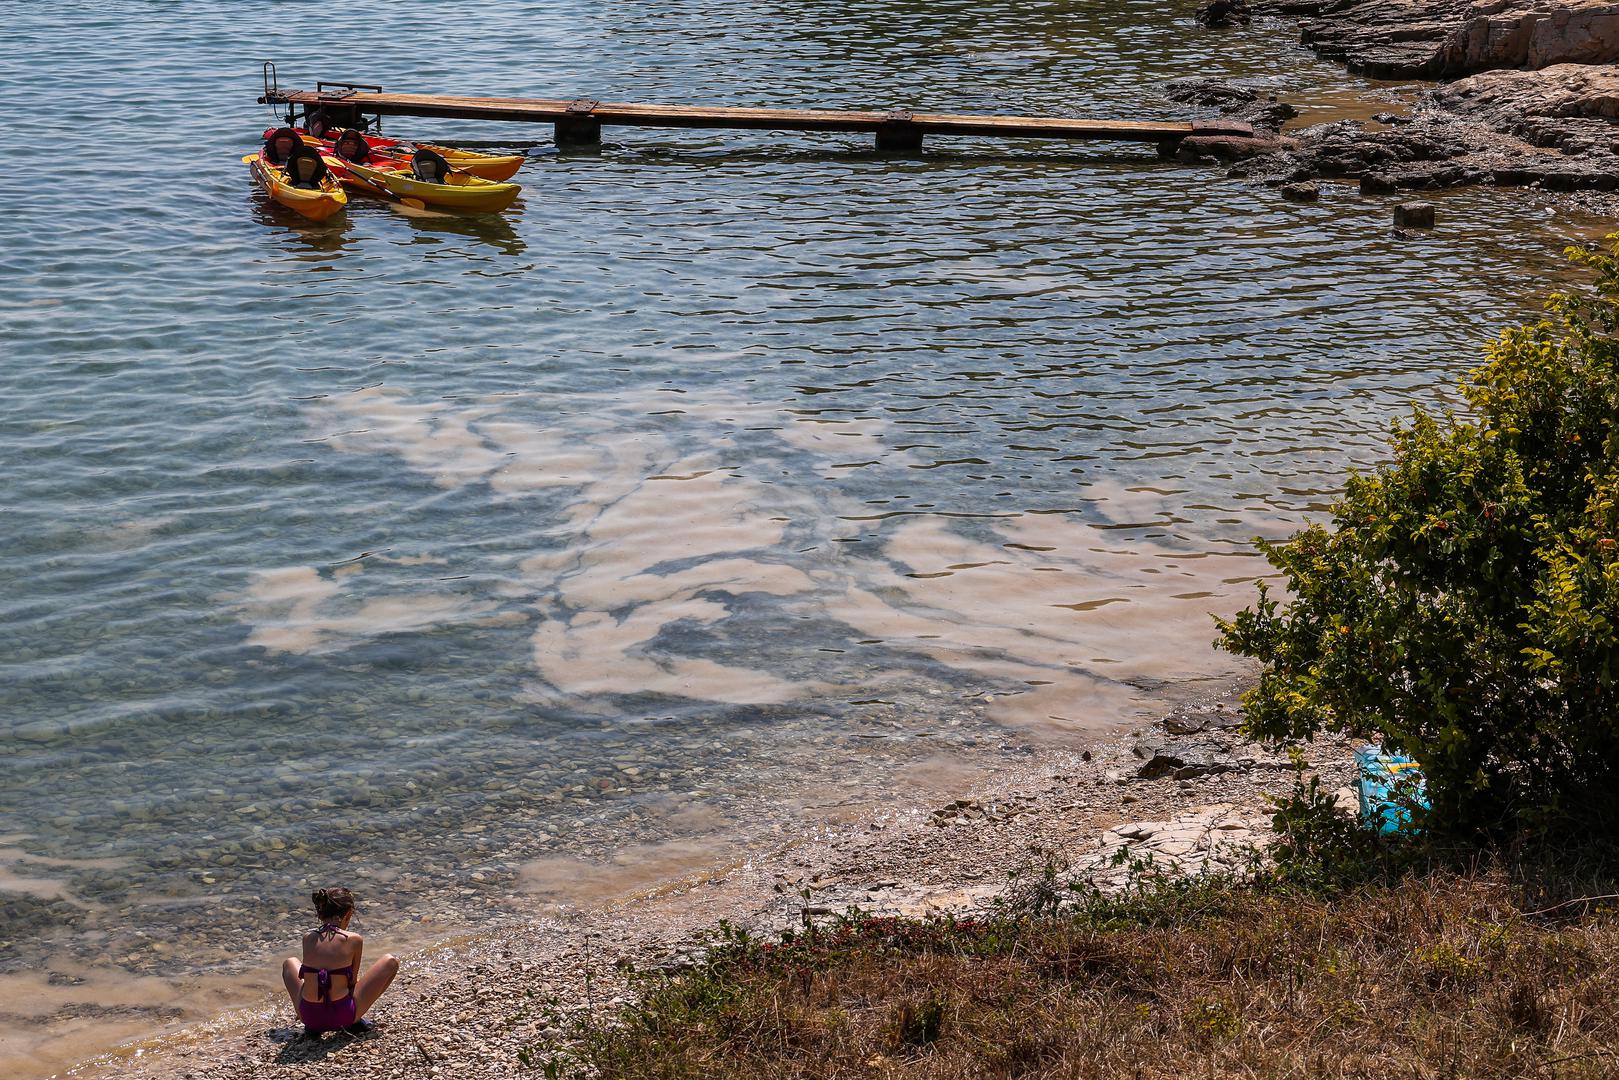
column 316, row 204
column 495, row 167
column 340, row 171
column 459, row 191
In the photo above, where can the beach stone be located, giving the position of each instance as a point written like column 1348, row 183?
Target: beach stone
column 1303, row 192
column 1183, row 760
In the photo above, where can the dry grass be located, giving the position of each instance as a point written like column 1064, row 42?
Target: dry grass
column 1439, row 975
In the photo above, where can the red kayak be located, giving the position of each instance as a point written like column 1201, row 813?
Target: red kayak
column 396, row 153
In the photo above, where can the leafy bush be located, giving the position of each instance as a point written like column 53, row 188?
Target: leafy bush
column 1320, row 849
column 1464, row 606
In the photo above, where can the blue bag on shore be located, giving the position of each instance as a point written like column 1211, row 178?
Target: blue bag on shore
column 1388, row 785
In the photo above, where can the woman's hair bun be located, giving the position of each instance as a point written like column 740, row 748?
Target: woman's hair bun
column 332, row 904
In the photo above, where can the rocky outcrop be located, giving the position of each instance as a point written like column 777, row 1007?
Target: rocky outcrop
column 1556, row 128
column 1425, row 153
column 1263, row 111
column 1219, row 839
column 1433, row 39
column 1571, row 107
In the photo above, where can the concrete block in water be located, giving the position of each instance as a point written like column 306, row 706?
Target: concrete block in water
column 1414, row 215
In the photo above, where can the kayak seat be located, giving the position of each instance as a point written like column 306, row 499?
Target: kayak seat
column 305, row 169
column 429, row 167
column 351, row 146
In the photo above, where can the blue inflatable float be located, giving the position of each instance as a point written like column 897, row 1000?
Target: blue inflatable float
column 1389, row 785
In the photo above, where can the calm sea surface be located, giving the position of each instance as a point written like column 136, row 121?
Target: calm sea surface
column 727, row 476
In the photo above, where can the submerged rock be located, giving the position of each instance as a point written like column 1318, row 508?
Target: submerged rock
column 1231, row 100
column 1219, row 14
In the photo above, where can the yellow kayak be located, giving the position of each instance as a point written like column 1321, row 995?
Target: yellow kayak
column 495, row 167
column 316, row 204
column 459, row 191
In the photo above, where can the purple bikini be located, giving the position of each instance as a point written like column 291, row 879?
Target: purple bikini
column 326, row 1014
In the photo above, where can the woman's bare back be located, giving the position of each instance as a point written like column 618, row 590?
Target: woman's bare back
column 334, row 950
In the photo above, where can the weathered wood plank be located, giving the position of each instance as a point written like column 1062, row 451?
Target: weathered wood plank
column 551, row 111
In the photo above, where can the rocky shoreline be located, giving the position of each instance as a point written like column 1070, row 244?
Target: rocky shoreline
column 1187, row 792
column 1536, row 104
column 1437, row 39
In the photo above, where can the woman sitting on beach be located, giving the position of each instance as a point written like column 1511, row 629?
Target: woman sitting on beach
column 323, row 987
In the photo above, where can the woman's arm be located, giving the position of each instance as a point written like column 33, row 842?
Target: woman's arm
column 359, row 946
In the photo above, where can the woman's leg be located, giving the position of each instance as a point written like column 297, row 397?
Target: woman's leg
column 290, row 979
column 373, row 983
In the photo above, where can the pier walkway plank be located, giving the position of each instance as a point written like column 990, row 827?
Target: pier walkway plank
column 580, row 120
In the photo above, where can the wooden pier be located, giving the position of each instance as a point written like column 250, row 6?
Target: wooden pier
column 579, row 122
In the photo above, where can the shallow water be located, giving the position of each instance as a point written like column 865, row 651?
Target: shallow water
column 726, row 475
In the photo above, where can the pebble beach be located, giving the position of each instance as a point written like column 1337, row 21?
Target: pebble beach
column 1186, row 792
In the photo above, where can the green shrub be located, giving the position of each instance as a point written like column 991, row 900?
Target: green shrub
column 1320, row 849
column 1464, row 606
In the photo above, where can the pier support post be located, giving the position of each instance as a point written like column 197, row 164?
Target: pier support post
column 898, row 135
column 579, row 128
column 333, row 118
